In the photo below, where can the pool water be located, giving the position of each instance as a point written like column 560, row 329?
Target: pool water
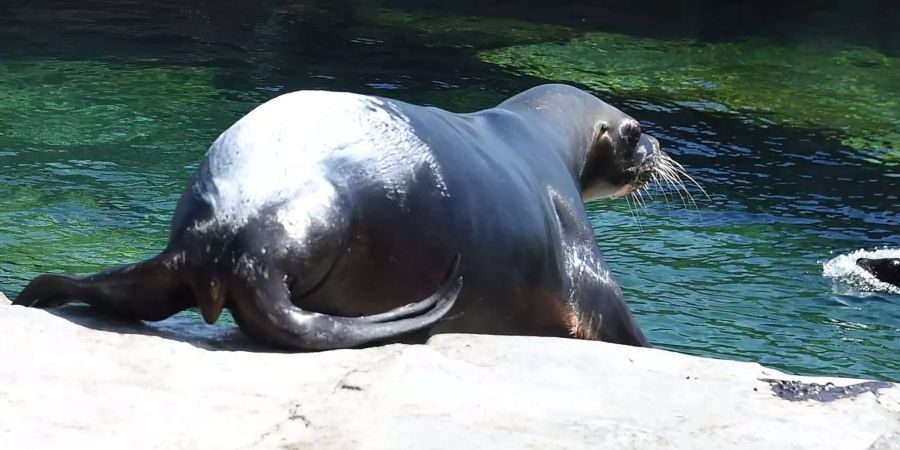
column 793, row 129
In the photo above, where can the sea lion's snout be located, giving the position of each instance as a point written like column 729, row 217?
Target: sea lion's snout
column 647, row 154
column 865, row 263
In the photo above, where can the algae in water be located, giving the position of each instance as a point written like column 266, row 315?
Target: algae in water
column 852, row 92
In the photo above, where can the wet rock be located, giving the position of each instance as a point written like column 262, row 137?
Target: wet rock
column 793, row 390
column 73, row 379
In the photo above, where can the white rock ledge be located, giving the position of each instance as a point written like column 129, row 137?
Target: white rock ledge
column 71, row 379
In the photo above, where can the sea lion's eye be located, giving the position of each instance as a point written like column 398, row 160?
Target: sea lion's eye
column 604, row 127
column 635, row 132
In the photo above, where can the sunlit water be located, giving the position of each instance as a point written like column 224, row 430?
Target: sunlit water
column 105, row 110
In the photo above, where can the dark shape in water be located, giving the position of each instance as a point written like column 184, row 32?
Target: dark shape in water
column 886, row 270
column 799, row 391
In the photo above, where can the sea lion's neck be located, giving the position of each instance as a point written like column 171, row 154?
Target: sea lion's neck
column 562, row 131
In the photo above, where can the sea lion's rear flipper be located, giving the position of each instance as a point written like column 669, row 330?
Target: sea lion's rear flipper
column 266, row 313
column 148, row 290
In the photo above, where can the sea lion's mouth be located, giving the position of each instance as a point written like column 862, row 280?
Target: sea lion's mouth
column 650, row 169
column 645, row 173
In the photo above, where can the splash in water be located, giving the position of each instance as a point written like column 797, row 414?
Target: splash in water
column 850, row 277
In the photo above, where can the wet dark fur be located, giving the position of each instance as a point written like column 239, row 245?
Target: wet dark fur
column 886, row 270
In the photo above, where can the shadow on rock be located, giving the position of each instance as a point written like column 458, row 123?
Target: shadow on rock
column 177, row 328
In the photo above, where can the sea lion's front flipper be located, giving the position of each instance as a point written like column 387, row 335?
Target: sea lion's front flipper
column 148, row 290
column 596, row 307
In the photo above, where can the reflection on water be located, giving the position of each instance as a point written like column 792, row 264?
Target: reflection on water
column 106, row 110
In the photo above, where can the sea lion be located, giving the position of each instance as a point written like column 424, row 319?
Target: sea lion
column 886, row 270
column 317, row 216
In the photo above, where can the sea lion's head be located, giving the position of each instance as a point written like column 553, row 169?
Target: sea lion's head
column 885, row 269
column 620, row 157
column 607, row 150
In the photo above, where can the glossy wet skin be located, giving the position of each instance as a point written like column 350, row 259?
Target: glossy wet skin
column 530, row 154
column 885, row 269
column 297, row 242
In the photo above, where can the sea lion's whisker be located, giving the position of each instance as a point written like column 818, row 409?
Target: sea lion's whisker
column 636, row 219
column 641, row 202
column 676, row 173
column 687, row 192
column 647, row 191
column 654, row 178
column 665, row 170
column 683, row 172
column 641, row 209
column 674, row 188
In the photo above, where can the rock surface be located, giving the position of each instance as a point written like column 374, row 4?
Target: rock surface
column 70, row 378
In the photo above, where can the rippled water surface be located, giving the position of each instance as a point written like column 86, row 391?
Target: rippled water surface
column 789, row 117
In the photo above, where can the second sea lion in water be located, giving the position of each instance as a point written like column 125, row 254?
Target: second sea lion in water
column 886, row 270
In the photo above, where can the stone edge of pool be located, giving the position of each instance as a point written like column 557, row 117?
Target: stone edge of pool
column 72, row 379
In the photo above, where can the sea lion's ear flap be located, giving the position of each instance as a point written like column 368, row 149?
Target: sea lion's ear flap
column 601, row 127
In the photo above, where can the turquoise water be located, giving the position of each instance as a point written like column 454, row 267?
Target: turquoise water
column 107, row 107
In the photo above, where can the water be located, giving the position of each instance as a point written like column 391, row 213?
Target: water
column 789, row 117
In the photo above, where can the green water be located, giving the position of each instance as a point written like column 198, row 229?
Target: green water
column 105, row 110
